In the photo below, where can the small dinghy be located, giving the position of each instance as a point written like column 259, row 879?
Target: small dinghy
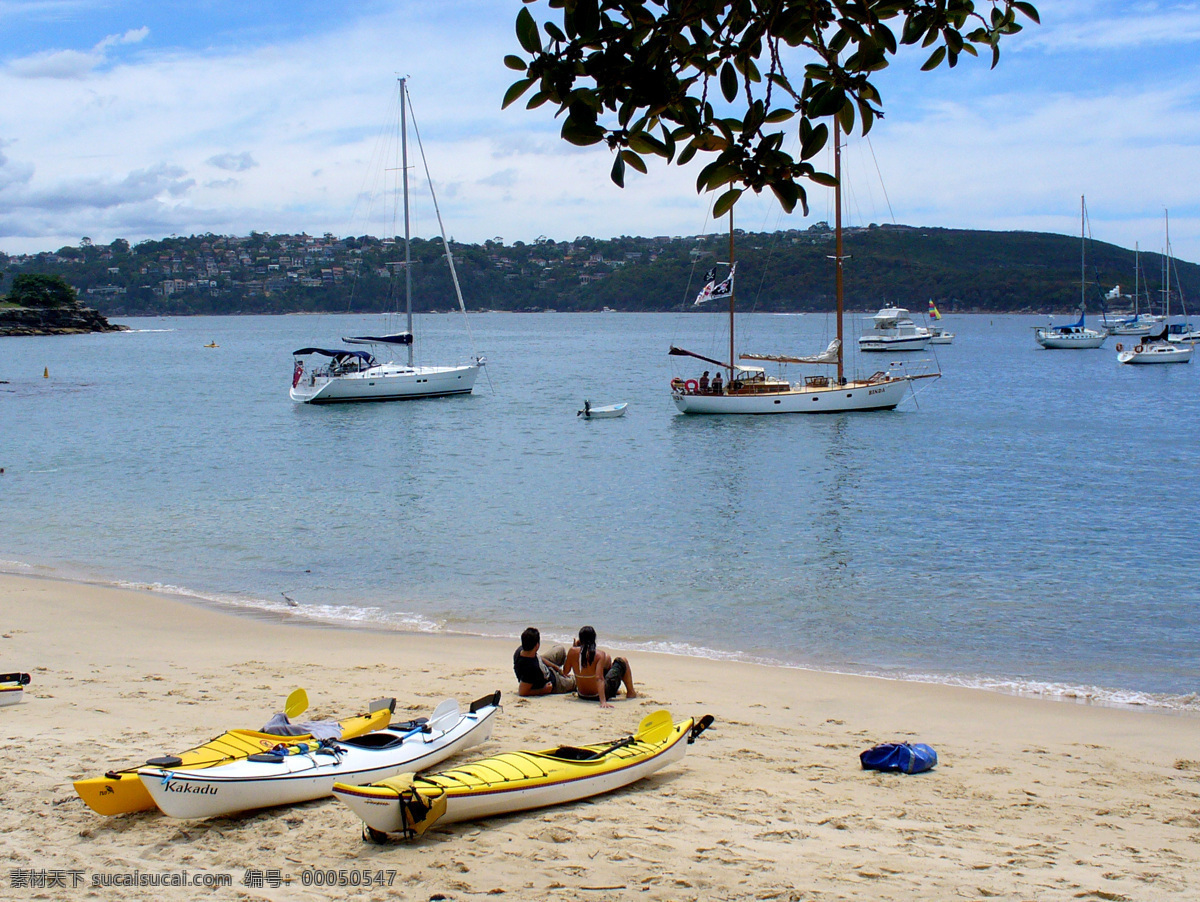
column 12, row 688
column 122, row 792
column 299, row 772
column 517, row 781
column 592, row 411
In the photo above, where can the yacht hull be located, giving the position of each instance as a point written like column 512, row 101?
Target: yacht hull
column 387, row 383
column 1055, row 342
column 883, row 395
column 918, row 343
column 1161, row 352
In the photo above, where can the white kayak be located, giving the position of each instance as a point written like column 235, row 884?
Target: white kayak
column 308, row 770
column 12, row 688
column 592, row 411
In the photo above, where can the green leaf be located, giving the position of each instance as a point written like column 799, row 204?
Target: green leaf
column 527, row 32
column 633, row 160
column 729, row 85
column 645, row 143
column 787, row 193
column 824, row 178
column 618, row 171
column 581, row 134
column 725, row 201
column 814, row 141
column 934, row 60
column 1028, row 9
column 515, row 62
column 779, row 115
column 515, row 90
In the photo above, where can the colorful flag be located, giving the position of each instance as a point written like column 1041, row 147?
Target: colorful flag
column 725, row 289
column 706, row 293
column 933, row 310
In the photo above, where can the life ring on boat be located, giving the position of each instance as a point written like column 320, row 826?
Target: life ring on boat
column 1120, row 347
column 692, row 386
column 677, row 385
column 1139, row 349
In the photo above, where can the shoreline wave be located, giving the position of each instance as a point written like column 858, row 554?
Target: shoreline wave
column 375, row 618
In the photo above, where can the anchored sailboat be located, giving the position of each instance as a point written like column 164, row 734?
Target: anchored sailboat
column 1077, row 335
column 748, row 389
column 352, row 375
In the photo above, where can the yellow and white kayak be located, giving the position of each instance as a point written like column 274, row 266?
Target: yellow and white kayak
column 122, row 792
column 517, row 781
column 12, row 688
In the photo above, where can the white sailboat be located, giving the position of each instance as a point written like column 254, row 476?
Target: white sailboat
column 1077, row 335
column 1136, row 322
column 353, row 375
column 938, row 335
column 1158, row 348
column 749, row 390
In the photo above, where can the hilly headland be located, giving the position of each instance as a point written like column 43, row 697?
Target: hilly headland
column 787, row 271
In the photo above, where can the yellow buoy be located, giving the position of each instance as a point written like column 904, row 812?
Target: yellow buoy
column 46, row 373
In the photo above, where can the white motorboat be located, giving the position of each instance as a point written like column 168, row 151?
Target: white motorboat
column 1076, row 336
column 749, row 390
column 893, row 330
column 12, row 688
column 357, row 375
column 591, row 411
column 1182, row 332
column 299, row 772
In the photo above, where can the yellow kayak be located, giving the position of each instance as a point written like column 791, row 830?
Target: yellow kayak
column 517, row 781
column 122, row 792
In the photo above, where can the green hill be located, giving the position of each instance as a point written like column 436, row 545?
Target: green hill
column 961, row 270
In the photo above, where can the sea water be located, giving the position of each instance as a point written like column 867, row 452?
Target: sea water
column 1028, row 522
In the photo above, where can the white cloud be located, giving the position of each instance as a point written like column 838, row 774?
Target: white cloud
column 1109, row 26
column 72, row 64
column 233, row 162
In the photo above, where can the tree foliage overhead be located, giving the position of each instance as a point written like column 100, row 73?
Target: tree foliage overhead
column 642, row 76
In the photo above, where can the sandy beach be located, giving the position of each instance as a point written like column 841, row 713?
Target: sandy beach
column 1032, row 799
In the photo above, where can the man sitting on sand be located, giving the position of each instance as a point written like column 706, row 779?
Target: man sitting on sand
column 540, row 674
column 598, row 675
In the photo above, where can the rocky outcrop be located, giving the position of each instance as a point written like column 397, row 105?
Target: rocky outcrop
column 74, row 320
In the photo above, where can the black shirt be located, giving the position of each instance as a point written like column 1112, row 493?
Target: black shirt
column 531, row 670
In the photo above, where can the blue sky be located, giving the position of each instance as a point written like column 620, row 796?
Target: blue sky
column 140, row 120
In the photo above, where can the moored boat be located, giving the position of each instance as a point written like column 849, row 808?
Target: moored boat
column 591, row 411
column 122, row 791
column 892, row 329
column 518, row 781
column 356, row 375
column 299, row 772
column 1076, row 336
column 749, row 390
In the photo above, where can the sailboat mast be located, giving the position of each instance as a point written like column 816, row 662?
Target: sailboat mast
column 407, row 237
column 1082, row 252
column 1167, row 296
column 837, row 203
column 1137, row 252
column 731, row 358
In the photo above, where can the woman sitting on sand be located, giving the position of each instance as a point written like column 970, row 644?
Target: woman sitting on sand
column 598, row 675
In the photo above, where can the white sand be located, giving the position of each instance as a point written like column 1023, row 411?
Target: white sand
column 1032, row 799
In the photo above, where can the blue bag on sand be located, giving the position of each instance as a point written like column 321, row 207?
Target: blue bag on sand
column 907, row 758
